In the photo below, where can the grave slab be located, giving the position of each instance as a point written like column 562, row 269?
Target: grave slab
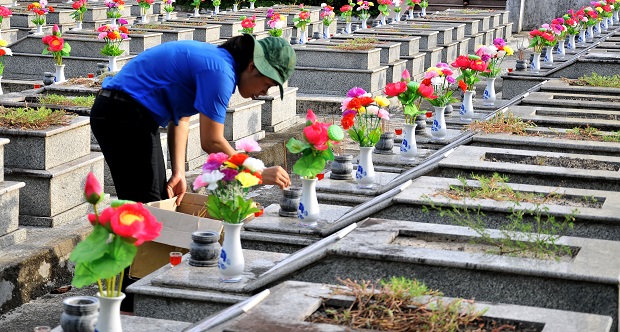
column 139, row 324
column 337, row 82
column 290, row 302
column 202, row 32
column 243, row 120
column 469, row 158
column 309, row 55
column 169, row 33
column 428, row 39
column 351, row 187
column 9, row 210
column 278, row 114
column 559, row 117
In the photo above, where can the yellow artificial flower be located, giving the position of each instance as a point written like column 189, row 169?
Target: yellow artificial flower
column 509, row 50
column 382, row 101
column 361, row 110
column 230, row 165
column 3, row 43
column 121, row 7
column 246, row 179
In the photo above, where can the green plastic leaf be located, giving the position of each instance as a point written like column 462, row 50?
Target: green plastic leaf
column 309, row 166
column 328, row 154
column 374, row 135
column 353, row 134
column 296, row 146
column 120, row 202
column 93, row 247
column 335, row 133
column 83, row 275
column 213, row 203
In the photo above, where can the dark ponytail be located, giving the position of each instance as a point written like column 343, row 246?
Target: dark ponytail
column 242, row 50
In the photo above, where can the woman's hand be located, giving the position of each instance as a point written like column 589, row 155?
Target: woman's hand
column 177, row 186
column 276, row 175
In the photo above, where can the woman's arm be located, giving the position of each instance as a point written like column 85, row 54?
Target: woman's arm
column 212, row 137
column 177, row 146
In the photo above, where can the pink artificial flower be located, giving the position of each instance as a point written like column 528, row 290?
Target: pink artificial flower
column 345, row 102
column 310, row 116
column 229, row 174
column 356, row 92
column 383, row 114
column 220, row 157
column 198, row 183
column 316, row 134
column 247, row 144
column 405, row 75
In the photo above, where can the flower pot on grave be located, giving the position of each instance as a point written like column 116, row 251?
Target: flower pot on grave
column 438, row 130
column 110, row 313
column 488, row 96
column 467, row 107
column 365, row 174
column 408, row 147
column 342, row 167
column 80, row 314
column 59, row 76
column 205, row 248
column 289, row 203
column 308, row 211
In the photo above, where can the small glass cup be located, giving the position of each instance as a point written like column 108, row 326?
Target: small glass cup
column 91, row 75
column 36, row 86
column 42, row 329
column 510, row 70
column 175, row 258
column 398, row 131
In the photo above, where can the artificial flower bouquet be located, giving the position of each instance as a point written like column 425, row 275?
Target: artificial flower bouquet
column 591, row 15
column 441, row 78
column 276, row 23
column 572, row 21
column 397, row 7
column 112, row 245
column 327, row 14
column 363, row 9
column 40, row 9
column 302, row 19
column 79, row 8
column 493, row 56
column 412, row 3
column 4, row 13
column 603, row 8
column 56, row 46
column 470, row 66
column 541, row 37
column 316, row 147
column 145, row 5
column 3, row 51
column 227, row 178
column 558, row 28
column 113, row 35
column 168, row 7
column 196, row 3
column 384, row 7
column 410, row 95
column 346, row 12
column 423, row 3
column 362, row 115
column 247, row 24
column 216, row 3
column 115, row 8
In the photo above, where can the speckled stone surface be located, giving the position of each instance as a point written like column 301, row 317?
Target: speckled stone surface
column 409, row 45
column 140, row 324
column 59, row 16
column 170, row 35
column 47, row 148
column 9, row 206
column 58, row 189
column 86, row 46
column 204, row 33
column 428, row 39
column 449, row 51
column 351, row 186
column 337, row 82
column 243, row 120
column 3, row 142
column 471, row 25
column 470, row 158
column 311, row 55
column 395, row 159
column 476, row 39
column 588, row 283
column 390, row 51
column 444, row 32
column 289, row 303
column 278, row 114
column 271, row 222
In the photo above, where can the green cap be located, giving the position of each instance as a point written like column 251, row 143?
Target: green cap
column 275, row 58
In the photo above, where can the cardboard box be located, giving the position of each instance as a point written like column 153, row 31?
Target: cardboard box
column 179, row 222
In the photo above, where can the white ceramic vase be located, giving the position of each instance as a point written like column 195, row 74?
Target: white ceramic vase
column 397, row 17
column 423, row 13
column 616, row 16
column 39, row 30
column 231, row 263
column 1, row 93
column 112, row 66
column 488, row 96
column 347, row 28
column 365, row 174
column 582, row 37
column 365, row 24
column 438, row 130
column 571, row 42
column 251, row 5
column 597, row 29
column 109, row 313
column 302, row 36
column 113, row 21
column 408, row 147
column 467, row 106
column 535, row 67
column 383, row 20
column 78, row 26
column 235, row 7
column 196, row 12
column 549, row 55
column 144, row 19
column 59, row 75
column 561, row 50
column 589, row 33
column 326, row 32
column 216, row 10
column 410, row 16
column 308, row 211
column 168, row 16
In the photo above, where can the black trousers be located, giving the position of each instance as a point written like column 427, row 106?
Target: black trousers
column 130, row 142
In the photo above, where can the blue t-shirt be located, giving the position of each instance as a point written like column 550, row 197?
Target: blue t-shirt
column 178, row 79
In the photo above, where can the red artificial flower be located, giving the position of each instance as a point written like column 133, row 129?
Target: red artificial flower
column 478, row 65
column 2, row 52
column 135, row 222
column 77, row 5
column 93, row 192
column 426, row 81
column 316, row 134
column 238, row 158
column 347, row 121
column 346, row 8
column 304, row 15
column 365, row 101
column 51, row 9
column 395, row 89
column 426, row 90
column 461, row 62
column 55, row 44
column 463, row 85
column 123, row 29
column 354, row 104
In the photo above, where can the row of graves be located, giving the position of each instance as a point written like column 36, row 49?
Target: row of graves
column 536, row 253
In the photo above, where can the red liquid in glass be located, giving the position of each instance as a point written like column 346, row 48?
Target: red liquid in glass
column 91, row 75
column 175, row 260
column 36, row 86
column 398, row 131
column 429, row 114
